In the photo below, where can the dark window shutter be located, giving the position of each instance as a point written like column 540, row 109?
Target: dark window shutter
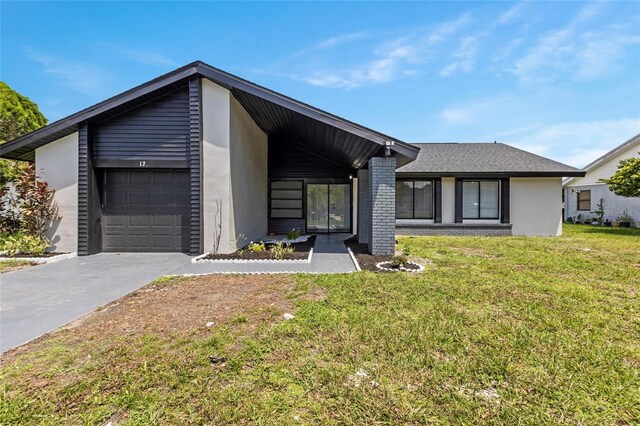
column 505, row 201
column 458, row 212
column 437, row 190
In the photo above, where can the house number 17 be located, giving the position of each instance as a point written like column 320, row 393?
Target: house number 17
column 143, row 164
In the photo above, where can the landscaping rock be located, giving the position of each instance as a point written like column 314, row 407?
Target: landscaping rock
column 288, row 316
column 217, row 360
column 210, row 324
column 488, row 394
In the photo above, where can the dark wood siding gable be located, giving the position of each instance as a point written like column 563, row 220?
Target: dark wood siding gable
column 157, row 130
column 287, row 161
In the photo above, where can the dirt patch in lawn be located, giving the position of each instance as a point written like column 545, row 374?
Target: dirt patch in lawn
column 180, row 306
column 300, row 251
column 21, row 255
column 13, row 265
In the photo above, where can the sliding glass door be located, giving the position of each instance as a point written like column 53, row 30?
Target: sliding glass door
column 328, row 207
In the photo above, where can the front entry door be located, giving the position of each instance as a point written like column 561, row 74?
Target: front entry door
column 328, row 207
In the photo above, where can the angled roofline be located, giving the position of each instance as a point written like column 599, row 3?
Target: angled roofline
column 569, row 171
column 606, row 157
column 199, row 68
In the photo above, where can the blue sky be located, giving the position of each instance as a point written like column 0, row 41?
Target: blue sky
column 561, row 79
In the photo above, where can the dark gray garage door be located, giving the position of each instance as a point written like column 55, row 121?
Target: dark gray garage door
column 145, row 210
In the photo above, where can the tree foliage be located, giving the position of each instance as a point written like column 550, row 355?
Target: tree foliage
column 626, row 180
column 18, row 116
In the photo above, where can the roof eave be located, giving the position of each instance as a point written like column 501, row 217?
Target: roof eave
column 493, row 174
column 221, row 77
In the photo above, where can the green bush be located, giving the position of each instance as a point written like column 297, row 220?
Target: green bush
column 406, row 250
column 293, row 234
column 279, row 250
column 21, row 243
column 399, row 260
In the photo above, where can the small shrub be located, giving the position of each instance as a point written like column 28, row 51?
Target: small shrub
column 35, row 201
column 257, row 247
column 624, row 217
column 26, row 244
column 293, row 234
column 279, row 250
column 407, row 250
column 399, row 260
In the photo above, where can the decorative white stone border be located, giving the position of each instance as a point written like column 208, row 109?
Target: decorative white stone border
column 420, row 267
column 201, row 259
column 353, row 259
column 41, row 260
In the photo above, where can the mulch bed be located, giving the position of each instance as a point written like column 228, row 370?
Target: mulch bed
column 300, row 252
column 366, row 260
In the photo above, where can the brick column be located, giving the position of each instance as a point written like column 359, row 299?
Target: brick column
column 382, row 190
column 364, row 207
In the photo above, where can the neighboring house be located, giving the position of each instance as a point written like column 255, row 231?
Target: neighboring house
column 198, row 155
column 582, row 194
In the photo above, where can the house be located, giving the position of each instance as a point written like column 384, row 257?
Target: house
column 583, row 194
column 199, row 157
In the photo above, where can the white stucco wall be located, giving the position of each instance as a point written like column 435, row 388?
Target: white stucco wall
column 216, row 173
column 448, row 200
column 234, row 171
column 612, row 204
column 249, row 181
column 536, row 206
column 57, row 163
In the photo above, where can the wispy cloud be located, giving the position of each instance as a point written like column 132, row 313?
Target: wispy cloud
column 575, row 143
column 569, row 50
column 510, row 14
column 341, row 39
column 392, row 60
column 464, row 55
column 143, row 56
column 81, row 77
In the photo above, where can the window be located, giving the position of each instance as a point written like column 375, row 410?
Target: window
column 414, row 199
column 584, row 200
column 285, row 199
column 481, row 199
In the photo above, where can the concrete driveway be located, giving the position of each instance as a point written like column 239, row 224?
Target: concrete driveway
column 39, row 299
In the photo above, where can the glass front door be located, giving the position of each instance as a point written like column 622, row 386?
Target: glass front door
column 328, row 207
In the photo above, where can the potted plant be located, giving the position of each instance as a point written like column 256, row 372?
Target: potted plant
column 623, row 220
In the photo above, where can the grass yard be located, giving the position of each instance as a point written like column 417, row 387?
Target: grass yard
column 501, row 330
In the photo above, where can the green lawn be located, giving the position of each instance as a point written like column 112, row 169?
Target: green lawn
column 502, row 330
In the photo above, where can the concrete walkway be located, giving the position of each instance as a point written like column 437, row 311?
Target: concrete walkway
column 329, row 256
column 39, row 299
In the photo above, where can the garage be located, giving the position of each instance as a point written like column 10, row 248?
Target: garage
column 145, row 210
